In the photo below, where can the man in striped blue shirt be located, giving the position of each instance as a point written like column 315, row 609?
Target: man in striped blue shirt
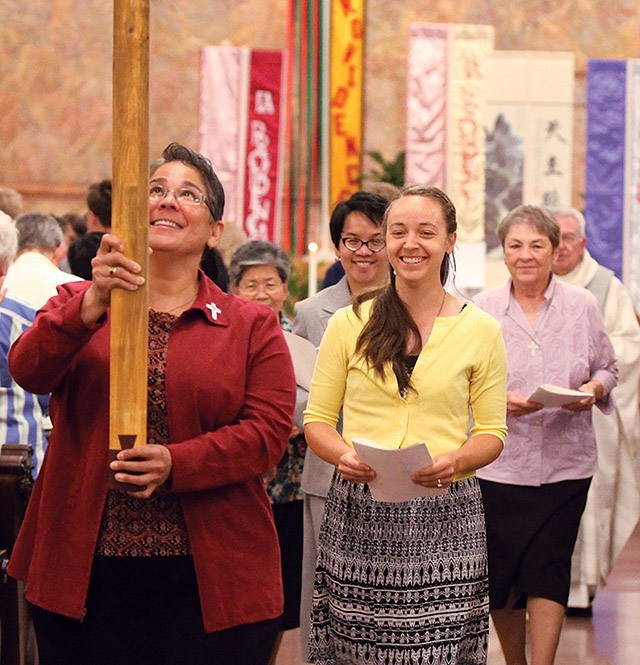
column 21, row 413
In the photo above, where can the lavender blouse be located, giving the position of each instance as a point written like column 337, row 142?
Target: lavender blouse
column 567, row 346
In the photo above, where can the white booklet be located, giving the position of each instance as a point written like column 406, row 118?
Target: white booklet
column 303, row 354
column 394, row 467
column 554, row 396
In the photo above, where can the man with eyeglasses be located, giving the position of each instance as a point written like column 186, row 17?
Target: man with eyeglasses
column 613, row 503
column 356, row 232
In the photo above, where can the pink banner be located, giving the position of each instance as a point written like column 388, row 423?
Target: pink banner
column 261, row 201
column 426, row 157
column 221, row 77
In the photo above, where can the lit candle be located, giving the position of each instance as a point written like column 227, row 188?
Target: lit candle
column 313, row 268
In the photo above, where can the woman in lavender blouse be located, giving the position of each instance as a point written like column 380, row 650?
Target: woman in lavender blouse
column 535, row 492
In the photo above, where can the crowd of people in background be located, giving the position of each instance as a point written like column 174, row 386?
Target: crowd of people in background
column 252, row 514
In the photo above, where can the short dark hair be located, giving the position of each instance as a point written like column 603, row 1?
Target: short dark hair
column 77, row 222
column 370, row 205
column 99, row 201
column 540, row 218
column 82, row 251
column 176, row 152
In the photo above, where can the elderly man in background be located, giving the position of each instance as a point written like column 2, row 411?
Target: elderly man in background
column 613, row 504
column 21, row 413
column 31, row 280
column 34, row 276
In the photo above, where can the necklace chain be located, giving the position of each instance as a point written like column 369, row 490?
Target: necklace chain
column 186, row 302
column 444, row 297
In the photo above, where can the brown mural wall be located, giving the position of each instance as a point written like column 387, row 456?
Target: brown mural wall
column 55, row 72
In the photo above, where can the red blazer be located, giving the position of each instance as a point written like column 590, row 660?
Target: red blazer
column 230, row 393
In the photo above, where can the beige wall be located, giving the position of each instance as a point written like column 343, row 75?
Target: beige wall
column 55, row 72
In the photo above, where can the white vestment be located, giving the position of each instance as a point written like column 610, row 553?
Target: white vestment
column 32, row 277
column 613, row 505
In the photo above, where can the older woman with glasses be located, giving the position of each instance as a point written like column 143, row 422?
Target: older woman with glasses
column 535, row 492
column 259, row 271
column 186, row 569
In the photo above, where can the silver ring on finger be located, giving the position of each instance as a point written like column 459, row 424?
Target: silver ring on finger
column 112, row 271
column 438, row 483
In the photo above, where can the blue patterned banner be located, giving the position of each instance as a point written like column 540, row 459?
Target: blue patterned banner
column 605, row 161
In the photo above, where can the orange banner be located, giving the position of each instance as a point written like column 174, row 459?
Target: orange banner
column 345, row 137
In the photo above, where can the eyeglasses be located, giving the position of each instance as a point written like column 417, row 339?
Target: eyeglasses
column 253, row 288
column 570, row 238
column 184, row 195
column 354, row 244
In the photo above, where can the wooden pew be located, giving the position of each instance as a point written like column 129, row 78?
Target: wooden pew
column 17, row 646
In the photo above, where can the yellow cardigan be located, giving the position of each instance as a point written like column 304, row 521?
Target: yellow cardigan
column 462, row 366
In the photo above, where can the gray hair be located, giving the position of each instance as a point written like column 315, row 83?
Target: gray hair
column 8, row 238
column 540, row 218
column 37, row 231
column 568, row 211
column 258, row 253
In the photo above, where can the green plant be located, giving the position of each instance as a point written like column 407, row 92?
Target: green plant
column 389, row 171
column 299, row 281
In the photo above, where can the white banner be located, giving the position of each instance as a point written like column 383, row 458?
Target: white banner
column 223, row 119
column 529, row 128
column 469, row 48
column 426, row 105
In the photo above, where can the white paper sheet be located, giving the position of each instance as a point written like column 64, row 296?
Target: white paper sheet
column 394, row 467
column 303, row 354
column 554, row 396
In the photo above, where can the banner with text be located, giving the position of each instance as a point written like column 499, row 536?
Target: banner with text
column 445, row 147
column 240, row 131
column 261, row 181
column 346, row 98
column 529, row 134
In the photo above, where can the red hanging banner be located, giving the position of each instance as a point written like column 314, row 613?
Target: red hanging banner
column 261, row 204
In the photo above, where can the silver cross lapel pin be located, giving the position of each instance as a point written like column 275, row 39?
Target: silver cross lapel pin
column 215, row 310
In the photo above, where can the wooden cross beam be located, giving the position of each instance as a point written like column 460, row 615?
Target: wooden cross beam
column 129, row 310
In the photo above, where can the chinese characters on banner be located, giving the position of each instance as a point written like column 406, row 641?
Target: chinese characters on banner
column 345, row 98
column 529, row 128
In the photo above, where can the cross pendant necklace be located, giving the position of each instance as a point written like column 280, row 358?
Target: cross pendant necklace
column 533, row 347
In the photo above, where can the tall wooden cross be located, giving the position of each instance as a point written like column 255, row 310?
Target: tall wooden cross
column 129, row 310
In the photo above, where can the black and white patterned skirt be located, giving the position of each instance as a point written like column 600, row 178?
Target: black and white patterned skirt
column 401, row 583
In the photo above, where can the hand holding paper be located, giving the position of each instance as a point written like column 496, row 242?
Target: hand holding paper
column 554, row 396
column 355, row 470
column 394, row 469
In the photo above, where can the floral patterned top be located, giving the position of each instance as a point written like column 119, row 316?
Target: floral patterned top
column 283, row 481
column 153, row 526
